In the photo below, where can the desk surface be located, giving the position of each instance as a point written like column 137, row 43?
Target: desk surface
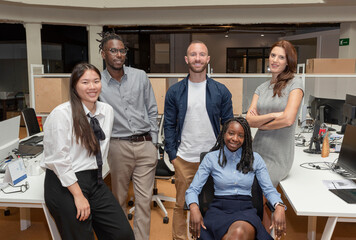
column 306, row 192
column 35, row 193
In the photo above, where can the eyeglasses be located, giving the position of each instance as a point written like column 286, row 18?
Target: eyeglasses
column 115, row 51
column 22, row 188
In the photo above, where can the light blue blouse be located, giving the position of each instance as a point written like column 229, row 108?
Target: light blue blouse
column 228, row 180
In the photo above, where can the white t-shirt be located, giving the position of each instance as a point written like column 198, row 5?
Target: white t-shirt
column 197, row 134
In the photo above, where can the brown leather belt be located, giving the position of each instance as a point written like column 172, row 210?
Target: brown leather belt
column 137, row 138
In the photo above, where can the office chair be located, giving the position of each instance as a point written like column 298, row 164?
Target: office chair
column 164, row 170
column 32, row 126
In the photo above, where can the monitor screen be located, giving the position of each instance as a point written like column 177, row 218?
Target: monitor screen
column 326, row 110
column 349, row 110
column 9, row 137
column 348, row 149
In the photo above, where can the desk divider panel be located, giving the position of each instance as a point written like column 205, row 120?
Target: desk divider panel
column 49, row 93
column 160, row 87
column 235, row 86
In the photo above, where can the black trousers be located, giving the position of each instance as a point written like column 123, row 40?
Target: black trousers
column 106, row 216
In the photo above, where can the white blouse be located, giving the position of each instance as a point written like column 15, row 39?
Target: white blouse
column 62, row 154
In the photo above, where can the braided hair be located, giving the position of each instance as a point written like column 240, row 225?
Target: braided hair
column 107, row 36
column 246, row 162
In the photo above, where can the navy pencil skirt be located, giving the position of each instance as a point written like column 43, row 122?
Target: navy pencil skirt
column 225, row 210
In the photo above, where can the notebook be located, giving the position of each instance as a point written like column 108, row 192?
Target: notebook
column 32, row 140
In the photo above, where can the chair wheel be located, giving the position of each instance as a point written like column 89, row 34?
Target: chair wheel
column 155, row 204
column 165, row 220
column 130, row 203
column 129, row 216
column 7, row 212
column 173, row 181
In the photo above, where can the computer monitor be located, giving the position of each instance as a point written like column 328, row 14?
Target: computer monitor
column 9, row 137
column 326, row 110
column 347, row 155
column 349, row 112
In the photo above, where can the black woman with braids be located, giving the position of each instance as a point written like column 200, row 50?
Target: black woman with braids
column 233, row 166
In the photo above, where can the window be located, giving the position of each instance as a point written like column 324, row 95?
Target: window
column 247, row 60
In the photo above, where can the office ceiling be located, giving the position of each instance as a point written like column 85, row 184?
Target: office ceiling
column 184, row 15
column 107, row 4
column 280, row 29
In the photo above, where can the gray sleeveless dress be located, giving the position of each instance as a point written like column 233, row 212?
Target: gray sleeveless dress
column 276, row 146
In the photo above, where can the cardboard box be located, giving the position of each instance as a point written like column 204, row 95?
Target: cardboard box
column 50, row 92
column 331, row 65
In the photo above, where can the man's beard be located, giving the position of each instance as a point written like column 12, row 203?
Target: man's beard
column 198, row 70
column 115, row 68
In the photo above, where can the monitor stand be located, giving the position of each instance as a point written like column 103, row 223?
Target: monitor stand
column 315, row 140
column 316, row 150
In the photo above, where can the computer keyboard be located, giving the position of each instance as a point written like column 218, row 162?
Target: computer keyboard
column 343, row 172
column 32, row 140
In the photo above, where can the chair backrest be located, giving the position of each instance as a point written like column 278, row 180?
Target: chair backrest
column 29, row 115
column 164, row 166
column 207, row 194
column 162, row 170
column 160, row 142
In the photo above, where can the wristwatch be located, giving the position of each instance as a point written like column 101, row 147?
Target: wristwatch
column 280, row 204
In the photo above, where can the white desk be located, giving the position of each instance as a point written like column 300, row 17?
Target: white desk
column 34, row 198
column 309, row 197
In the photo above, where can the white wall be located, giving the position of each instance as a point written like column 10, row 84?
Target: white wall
column 348, row 30
column 330, row 45
column 327, row 45
column 305, row 52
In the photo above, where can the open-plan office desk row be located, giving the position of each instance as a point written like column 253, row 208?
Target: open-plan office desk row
column 34, row 198
column 308, row 195
column 303, row 188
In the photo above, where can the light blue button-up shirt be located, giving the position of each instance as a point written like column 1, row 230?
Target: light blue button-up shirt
column 228, row 180
column 134, row 103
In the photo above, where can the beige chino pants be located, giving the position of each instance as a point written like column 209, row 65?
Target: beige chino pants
column 136, row 160
column 184, row 174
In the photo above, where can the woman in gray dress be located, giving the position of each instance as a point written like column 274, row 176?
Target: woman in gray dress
column 274, row 110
